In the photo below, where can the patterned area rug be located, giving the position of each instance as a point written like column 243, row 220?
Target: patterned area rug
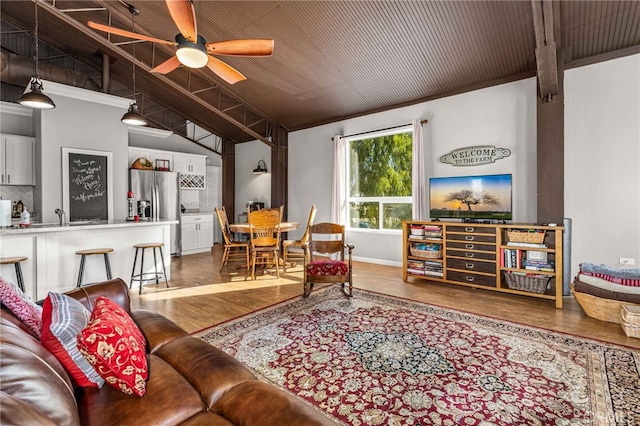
column 379, row 360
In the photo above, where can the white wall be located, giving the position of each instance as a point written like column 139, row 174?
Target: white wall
column 504, row 116
column 250, row 187
column 16, row 119
column 86, row 120
column 602, row 161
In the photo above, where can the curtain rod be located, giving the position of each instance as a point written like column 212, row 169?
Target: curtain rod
column 422, row 122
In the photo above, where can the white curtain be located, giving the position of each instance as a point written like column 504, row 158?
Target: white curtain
column 338, row 203
column 418, row 174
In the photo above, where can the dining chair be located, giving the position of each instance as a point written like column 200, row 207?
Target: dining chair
column 232, row 249
column 297, row 244
column 326, row 241
column 264, row 236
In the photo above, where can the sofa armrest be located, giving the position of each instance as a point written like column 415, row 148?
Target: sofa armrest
column 115, row 290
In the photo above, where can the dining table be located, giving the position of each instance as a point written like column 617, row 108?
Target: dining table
column 244, row 228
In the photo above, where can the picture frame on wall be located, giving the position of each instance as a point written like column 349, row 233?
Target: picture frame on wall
column 87, row 184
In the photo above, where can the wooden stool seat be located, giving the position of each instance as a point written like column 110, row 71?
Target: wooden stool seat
column 15, row 261
column 146, row 276
column 95, row 251
column 89, row 252
column 149, row 245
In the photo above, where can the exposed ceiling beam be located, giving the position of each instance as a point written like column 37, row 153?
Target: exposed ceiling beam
column 546, row 54
column 168, row 84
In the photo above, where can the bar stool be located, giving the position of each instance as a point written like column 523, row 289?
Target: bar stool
column 89, row 252
column 15, row 261
column 149, row 275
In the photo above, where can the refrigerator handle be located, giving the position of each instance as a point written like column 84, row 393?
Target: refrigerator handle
column 156, row 195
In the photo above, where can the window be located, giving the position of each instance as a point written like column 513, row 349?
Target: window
column 379, row 179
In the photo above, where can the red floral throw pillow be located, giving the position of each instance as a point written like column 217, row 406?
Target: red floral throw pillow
column 63, row 317
column 114, row 345
column 21, row 305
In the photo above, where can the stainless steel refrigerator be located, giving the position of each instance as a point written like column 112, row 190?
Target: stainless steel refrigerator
column 161, row 190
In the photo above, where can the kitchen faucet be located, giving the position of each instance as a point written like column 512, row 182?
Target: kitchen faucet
column 61, row 214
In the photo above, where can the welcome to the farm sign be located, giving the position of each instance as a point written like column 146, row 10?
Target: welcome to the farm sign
column 475, row 155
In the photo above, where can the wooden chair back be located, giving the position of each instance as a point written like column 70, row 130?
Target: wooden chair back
column 312, row 216
column 326, row 239
column 264, row 229
column 223, row 220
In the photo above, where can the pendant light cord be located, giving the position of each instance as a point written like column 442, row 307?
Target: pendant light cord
column 133, row 50
column 36, row 39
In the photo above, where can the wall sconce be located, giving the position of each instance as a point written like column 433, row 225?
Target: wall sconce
column 262, row 168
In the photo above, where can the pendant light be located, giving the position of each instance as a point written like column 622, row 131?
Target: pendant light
column 34, row 98
column 133, row 116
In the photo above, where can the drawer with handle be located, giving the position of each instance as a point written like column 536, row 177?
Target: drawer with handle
column 471, row 265
column 470, row 229
column 471, row 238
column 471, row 246
column 472, row 254
column 469, row 278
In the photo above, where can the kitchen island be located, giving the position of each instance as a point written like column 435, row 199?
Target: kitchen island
column 53, row 264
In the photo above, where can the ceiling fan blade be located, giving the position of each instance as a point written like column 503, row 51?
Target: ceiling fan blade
column 129, row 34
column 184, row 15
column 246, row 47
column 167, row 66
column 226, row 72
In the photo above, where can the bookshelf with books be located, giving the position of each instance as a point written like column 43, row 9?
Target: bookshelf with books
column 521, row 259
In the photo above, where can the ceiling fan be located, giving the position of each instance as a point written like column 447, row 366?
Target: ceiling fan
column 193, row 49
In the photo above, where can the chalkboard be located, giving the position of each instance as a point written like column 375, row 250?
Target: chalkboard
column 87, row 184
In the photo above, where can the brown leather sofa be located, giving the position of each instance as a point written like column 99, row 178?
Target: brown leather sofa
column 190, row 382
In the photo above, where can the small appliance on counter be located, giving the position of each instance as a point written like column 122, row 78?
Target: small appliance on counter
column 255, row 205
column 144, row 210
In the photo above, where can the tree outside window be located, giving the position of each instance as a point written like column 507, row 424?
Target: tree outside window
column 379, row 180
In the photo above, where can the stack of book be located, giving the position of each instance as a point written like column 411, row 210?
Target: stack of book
column 425, row 267
column 432, row 232
column 522, row 259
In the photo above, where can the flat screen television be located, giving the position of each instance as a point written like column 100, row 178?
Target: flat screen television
column 486, row 197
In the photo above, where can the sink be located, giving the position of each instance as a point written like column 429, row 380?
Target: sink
column 44, row 225
column 80, row 222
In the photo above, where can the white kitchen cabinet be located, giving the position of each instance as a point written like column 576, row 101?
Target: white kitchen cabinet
column 197, row 233
column 17, row 155
column 193, row 170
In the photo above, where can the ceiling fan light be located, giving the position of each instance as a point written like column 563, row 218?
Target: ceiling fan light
column 192, row 55
column 34, row 98
column 133, row 116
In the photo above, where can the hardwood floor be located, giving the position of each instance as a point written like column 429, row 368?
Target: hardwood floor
column 200, row 296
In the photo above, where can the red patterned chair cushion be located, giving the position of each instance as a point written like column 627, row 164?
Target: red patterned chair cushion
column 115, row 347
column 327, row 267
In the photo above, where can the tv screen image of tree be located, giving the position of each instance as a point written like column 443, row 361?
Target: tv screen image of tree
column 88, row 199
column 471, row 197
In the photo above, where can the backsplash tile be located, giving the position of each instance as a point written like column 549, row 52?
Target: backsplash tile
column 190, row 198
column 17, row 193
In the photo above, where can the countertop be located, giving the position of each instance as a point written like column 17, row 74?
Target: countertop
column 196, row 213
column 80, row 226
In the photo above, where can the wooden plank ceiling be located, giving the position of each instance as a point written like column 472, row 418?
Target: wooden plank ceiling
column 339, row 59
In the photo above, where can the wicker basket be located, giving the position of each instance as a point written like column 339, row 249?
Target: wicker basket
column 600, row 308
column 526, row 237
column 531, row 283
column 630, row 320
column 426, row 254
